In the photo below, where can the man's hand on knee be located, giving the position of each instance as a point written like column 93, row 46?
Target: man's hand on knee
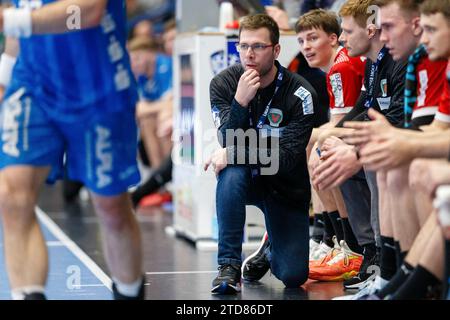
column 218, row 160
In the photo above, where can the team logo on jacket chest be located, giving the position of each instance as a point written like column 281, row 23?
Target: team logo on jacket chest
column 275, row 117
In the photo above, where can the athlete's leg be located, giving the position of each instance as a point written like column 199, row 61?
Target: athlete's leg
column 25, row 248
column 424, row 204
column 121, row 236
column 388, row 263
column 432, row 258
column 421, row 241
column 404, row 215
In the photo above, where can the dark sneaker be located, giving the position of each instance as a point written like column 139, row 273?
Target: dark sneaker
column 34, row 296
column 256, row 265
column 228, row 281
column 361, row 280
column 118, row 296
column 71, row 190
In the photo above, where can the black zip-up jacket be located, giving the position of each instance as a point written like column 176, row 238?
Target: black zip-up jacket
column 291, row 117
column 388, row 92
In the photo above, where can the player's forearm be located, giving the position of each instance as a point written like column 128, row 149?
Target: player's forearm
column 56, row 17
column 12, row 47
column 337, row 132
column 431, row 133
column 53, row 18
column 436, row 147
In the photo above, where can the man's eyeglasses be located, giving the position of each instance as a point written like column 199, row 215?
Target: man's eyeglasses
column 257, row 47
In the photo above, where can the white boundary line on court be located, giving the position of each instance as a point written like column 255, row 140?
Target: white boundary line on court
column 182, row 272
column 72, row 246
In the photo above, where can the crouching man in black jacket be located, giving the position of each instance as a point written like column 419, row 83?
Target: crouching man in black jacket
column 264, row 116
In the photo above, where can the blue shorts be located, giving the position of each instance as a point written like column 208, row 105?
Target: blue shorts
column 98, row 150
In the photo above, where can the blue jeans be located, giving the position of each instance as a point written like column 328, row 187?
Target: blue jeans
column 287, row 226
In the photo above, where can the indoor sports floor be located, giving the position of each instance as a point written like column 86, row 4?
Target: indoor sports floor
column 175, row 270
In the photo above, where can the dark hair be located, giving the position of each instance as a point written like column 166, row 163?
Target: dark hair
column 258, row 21
column 319, row 19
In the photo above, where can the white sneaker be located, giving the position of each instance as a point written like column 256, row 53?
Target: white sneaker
column 373, row 286
column 320, row 252
column 312, row 247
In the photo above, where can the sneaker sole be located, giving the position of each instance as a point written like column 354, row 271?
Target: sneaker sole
column 341, row 277
column 356, row 286
column 251, row 256
column 226, row 288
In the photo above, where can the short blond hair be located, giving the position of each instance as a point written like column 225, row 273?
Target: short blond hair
column 359, row 10
column 142, row 43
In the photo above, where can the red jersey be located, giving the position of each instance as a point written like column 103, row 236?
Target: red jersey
column 443, row 113
column 344, row 82
column 431, row 83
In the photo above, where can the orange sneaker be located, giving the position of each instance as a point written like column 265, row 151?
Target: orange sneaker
column 156, row 199
column 324, row 254
column 342, row 266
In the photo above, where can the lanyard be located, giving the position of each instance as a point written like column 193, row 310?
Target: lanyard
column 263, row 117
column 373, row 73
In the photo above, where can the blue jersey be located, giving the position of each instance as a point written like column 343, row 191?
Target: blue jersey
column 161, row 83
column 78, row 70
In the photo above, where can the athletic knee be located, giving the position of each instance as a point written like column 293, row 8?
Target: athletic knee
column 397, row 179
column 14, row 199
column 114, row 213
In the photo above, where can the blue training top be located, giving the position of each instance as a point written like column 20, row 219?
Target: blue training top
column 161, row 82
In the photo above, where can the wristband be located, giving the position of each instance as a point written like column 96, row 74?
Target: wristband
column 17, row 22
column 7, row 63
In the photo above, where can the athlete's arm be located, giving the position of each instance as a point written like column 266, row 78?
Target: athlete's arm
column 12, row 47
column 431, row 146
column 56, row 17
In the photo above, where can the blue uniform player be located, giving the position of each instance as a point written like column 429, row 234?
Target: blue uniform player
column 161, row 84
column 72, row 96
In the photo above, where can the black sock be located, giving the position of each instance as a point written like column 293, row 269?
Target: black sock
column 416, row 287
column 369, row 250
column 329, row 231
column 370, row 258
column 317, row 233
column 337, row 226
column 399, row 254
column 349, row 236
column 158, row 179
column 396, row 281
column 446, row 291
column 388, row 264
